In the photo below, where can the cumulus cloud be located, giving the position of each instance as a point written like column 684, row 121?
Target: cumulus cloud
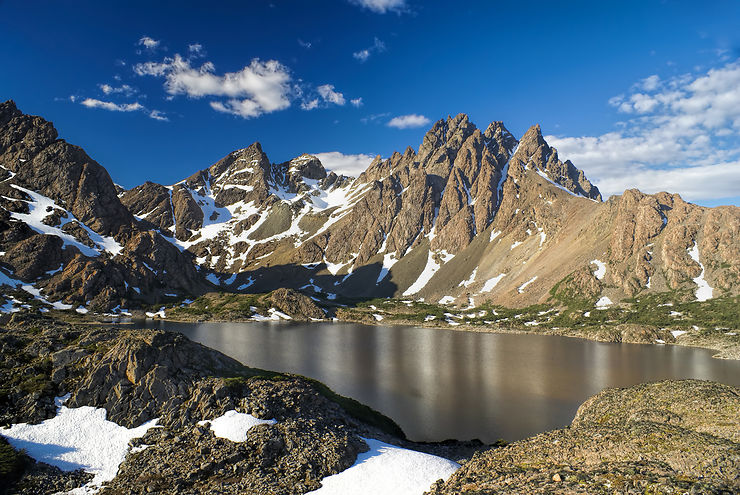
column 683, row 135
column 258, row 88
column 148, row 43
column 377, row 47
column 341, row 164
column 382, row 6
column 408, row 121
column 329, row 95
column 356, row 102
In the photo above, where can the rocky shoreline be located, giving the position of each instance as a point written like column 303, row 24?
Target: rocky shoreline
column 535, row 320
column 673, row 436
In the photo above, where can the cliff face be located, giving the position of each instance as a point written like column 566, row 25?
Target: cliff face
column 66, row 237
column 472, row 215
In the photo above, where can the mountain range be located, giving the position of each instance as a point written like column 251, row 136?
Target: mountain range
column 471, row 216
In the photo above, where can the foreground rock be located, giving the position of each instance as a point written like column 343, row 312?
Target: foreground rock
column 139, row 375
column 665, row 437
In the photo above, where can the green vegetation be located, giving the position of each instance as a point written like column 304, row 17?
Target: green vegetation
column 222, row 304
column 12, row 464
column 354, row 408
column 661, row 310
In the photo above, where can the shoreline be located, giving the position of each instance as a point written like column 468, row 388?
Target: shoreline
column 722, row 349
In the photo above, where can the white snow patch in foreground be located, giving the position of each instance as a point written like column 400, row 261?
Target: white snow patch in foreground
column 78, row 438
column 447, row 300
column 603, row 303
column 601, row 270
column 492, row 282
column 525, row 284
column 703, row 291
column 389, row 470
column 377, row 317
column 677, row 333
column 234, row 425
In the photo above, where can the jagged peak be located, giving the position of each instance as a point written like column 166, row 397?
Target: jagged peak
column 8, row 106
column 305, row 165
column 255, row 147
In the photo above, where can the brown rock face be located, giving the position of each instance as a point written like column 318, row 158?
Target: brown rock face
column 98, row 266
column 672, row 436
column 470, row 207
column 30, row 149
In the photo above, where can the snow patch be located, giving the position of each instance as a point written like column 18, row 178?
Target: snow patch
column 389, row 470
column 492, row 282
column 249, row 283
column 600, row 270
column 77, row 438
column 525, row 284
column 470, row 280
column 703, row 291
column 603, row 303
column 234, row 425
column 429, row 270
column 40, row 207
column 447, row 300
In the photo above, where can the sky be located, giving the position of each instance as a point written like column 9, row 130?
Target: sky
column 639, row 94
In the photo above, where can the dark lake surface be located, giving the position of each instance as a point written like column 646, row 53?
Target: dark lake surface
column 438, row 384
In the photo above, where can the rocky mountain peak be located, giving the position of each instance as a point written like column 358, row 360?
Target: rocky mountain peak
column 534, row 154
column 8, row 110
column 307, row 166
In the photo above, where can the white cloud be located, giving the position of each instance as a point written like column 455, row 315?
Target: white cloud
column 363, row 55
column 408, row 121
column 310, row 105
column 684, row 137
column 356, row 102
column 148, row 43
column 382, row 6
column 109, row 105
column 260, row 87
column 305, row 44
column 124, row 89
column 374, row 117
column 157, row 115
column 341, row 164
column 196, row 50
column 704, row 182
column 329, row 95
column 120, row 107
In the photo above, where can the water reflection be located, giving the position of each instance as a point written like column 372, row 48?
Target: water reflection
column 440, row 384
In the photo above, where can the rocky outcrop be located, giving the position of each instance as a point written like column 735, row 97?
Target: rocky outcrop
column 138, row 375
column 295, row 304
column 666, row 437
column 64, row 233
column 30, row 150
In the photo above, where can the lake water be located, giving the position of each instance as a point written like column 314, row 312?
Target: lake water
column 438, row 384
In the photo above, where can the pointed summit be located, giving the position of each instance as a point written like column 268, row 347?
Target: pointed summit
column 535, row 154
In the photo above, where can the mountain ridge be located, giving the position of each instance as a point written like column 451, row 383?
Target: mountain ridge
column 472, row 215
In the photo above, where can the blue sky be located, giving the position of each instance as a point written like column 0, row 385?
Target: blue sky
column 636, row 93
